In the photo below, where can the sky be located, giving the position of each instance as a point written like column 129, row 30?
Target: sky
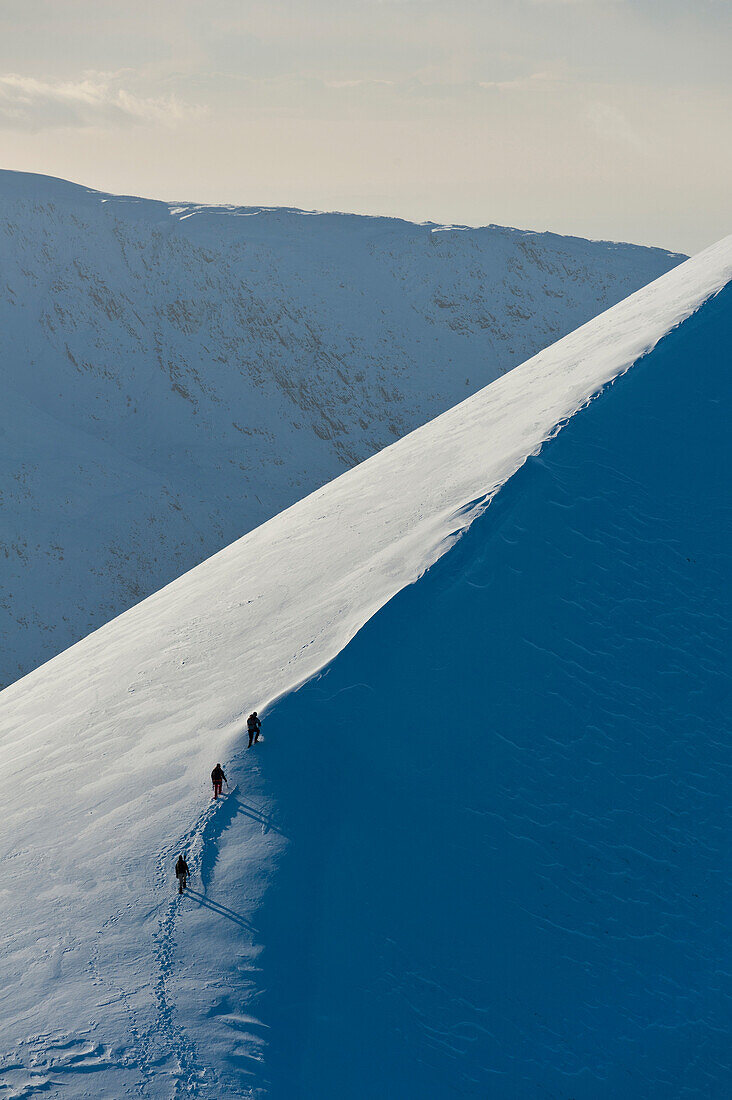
column 608, row 119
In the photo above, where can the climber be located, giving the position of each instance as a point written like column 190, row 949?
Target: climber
column 254, row 726
column 181, row 873
column 218, row 779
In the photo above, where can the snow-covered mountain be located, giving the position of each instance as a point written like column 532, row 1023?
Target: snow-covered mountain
column 173, row 375
column 481, row 856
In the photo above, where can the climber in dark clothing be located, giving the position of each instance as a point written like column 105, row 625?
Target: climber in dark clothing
column 181, row 873
column 218, row 779
column 254, row 726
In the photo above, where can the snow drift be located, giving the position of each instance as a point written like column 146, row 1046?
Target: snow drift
column 340, row 940
column 174, row 375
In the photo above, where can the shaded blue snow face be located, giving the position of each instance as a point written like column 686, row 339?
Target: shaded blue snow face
column 507, row 797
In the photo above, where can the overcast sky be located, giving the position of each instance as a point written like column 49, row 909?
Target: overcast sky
column 603, row 118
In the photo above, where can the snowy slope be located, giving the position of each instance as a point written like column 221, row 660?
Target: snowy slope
column 508, row 872
column 175, row 375
column 111, row 744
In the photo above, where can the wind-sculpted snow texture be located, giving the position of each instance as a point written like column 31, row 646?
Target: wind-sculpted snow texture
column 174, row 375
column 452, row 854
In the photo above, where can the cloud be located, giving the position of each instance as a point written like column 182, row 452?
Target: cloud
column 520, row 83
column 97, row 99
column 361, row 82
column 577, row 3
column 613, row 125
column 417, row 84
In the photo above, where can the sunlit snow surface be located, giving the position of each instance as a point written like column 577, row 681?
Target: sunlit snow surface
column 462, row 863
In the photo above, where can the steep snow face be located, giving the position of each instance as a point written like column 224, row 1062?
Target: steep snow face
column 106, row 750
column 174, row 375
column 508, row 799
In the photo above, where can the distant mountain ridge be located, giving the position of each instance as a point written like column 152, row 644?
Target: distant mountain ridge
column 176, row 374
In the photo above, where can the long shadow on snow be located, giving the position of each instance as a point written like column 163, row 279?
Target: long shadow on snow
column 216, row 907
